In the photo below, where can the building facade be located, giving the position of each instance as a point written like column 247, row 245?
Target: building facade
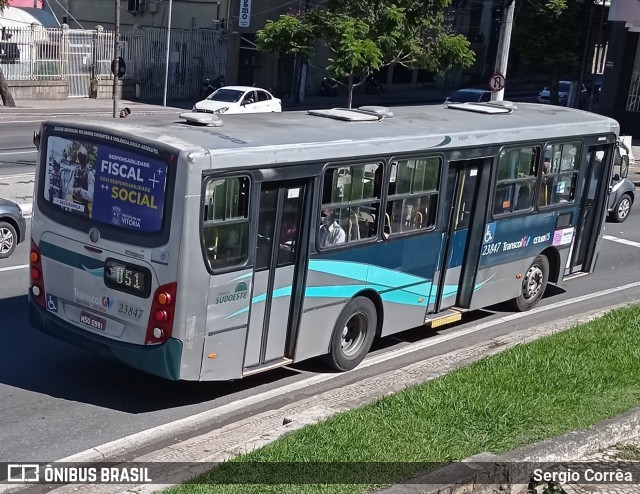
column 621, row 86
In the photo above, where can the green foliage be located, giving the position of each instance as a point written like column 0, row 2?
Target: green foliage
column 549, row 35
column 288, row 34
column 363, row 36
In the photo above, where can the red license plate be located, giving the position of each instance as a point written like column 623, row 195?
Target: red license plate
column 92, row 321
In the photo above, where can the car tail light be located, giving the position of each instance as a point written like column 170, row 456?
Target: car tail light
column 35, row 271
column 163, row 307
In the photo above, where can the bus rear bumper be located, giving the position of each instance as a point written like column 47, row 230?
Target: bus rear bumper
column 160, row 360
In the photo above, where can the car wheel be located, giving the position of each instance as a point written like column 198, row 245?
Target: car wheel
column 8, row 239
column 622, row 209
column 353, row 334
column 533, row 285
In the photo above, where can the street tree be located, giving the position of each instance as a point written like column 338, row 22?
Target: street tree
column 5, row 94
column 550, row 36
column 361, row 37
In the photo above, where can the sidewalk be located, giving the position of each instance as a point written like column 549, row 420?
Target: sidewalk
column 82, row 105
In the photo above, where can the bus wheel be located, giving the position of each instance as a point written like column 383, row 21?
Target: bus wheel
column 353, row 334
column 533, row 285
column 8, row 239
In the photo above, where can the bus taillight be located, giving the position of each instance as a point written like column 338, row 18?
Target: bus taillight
column 37, row 284
column 160, row 323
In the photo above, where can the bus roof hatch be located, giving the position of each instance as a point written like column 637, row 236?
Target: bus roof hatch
column 489, row 108
column 363, row 114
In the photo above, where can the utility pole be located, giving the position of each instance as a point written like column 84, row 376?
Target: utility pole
column 166, row 69
column 502, row 57
column 116, row 57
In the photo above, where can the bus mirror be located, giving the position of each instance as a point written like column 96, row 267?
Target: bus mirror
column 36, row 139
column 624, row 166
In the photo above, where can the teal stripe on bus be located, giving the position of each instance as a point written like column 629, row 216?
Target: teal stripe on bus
column 418, row 294
column 71, row 258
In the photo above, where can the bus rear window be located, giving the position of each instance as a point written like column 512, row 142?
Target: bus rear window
column 105, row 183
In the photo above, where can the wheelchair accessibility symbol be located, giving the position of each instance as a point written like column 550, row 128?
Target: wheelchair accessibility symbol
column 52, row 302
column 489, row 234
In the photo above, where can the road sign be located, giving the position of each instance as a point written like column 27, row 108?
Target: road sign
column 118, row 67
column 496, row 83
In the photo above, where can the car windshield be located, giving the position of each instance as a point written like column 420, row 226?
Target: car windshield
column 463, row 97
column 226, row 95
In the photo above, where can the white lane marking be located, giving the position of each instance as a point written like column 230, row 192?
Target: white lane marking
column 621, row 240
column 139, row 439
column 13, row 268
column 10, row 153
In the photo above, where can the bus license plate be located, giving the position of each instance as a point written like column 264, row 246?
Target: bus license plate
column 92, row 321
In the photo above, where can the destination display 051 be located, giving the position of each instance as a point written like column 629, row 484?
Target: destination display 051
column 127, row 278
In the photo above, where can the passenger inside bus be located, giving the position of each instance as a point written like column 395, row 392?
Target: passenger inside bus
column 331, row 232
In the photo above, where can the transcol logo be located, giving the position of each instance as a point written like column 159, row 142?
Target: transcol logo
column 107, row 302
column 520, row 244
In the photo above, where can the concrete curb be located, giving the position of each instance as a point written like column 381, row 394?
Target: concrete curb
column 474, row 474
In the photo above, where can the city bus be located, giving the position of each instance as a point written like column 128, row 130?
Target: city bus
column 207, row 248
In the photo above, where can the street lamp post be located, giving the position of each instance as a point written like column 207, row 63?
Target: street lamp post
column 166, row 69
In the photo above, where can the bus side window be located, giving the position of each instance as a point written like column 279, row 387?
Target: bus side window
column 225, row 222
column 517, row 176
column 351, row 202
column 412, row 194
column 559, row 174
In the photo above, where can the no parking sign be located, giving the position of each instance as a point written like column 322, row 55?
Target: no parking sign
column 496, row 83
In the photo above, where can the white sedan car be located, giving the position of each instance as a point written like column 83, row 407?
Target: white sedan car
column 239, row 99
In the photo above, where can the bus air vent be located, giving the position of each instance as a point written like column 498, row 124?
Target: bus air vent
column 198, row 118
column 489, row 108
column 350, row 114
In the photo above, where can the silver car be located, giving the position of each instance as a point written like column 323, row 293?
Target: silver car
column 622, row 191
column 13, row 227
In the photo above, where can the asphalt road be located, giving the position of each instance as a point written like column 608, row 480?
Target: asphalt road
column 57, row 400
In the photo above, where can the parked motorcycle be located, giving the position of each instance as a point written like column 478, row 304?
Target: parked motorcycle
column 209, row 86
column 371, row 86
column 328, row 87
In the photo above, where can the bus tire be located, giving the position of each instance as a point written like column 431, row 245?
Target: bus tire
column 8, row 239
column 533, row 285
column 352, row 335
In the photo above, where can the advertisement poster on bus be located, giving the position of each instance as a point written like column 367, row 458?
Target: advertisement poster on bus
column 105, row 183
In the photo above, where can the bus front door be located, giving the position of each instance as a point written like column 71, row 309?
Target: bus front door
column 467, row 182
column 277, row 287
column 593, row 205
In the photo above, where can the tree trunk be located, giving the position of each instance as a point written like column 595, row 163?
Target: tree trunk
column 5, row 94
column 349, row 90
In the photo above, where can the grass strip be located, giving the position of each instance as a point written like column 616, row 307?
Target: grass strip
column 568, row 381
